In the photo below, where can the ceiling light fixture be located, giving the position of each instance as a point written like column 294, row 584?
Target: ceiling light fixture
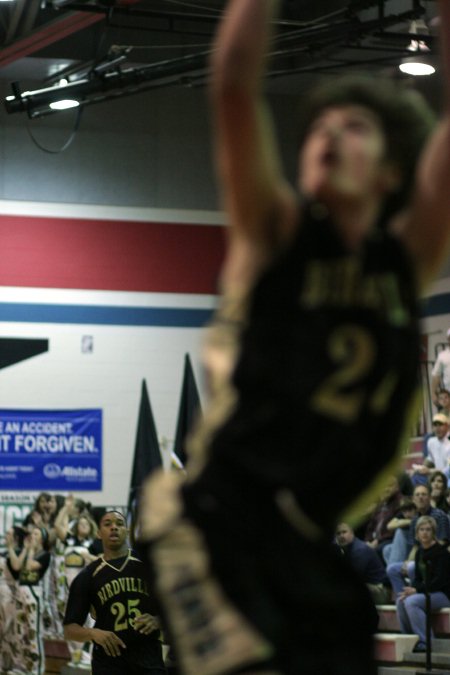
column 64, row 104
column 420, row 62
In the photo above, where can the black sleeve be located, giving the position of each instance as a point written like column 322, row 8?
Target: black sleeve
column 438, row 573
column 78, row 603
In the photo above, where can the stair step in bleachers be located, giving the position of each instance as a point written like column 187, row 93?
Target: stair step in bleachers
column 388, row 621
column 392, row 647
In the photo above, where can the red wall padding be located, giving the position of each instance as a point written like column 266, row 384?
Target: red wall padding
column 109, row 255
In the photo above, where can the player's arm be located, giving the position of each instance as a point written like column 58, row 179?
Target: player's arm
column 426, row 228
column 254, row 192
column 111, row 643
column 77, row 609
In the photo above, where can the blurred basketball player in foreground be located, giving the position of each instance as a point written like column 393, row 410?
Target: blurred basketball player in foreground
column 312, row 360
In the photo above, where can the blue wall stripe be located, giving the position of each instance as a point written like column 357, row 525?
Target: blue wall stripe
column 144, row 316
column 436, row 305
column 104, row 315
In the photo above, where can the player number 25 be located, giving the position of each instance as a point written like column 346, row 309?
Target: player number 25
column 125, row 614
column 342, row 394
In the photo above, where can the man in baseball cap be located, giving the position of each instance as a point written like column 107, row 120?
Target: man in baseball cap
column 440, row 375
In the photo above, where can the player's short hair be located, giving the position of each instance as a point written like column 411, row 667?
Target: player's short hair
column 406, row 119
column 108, row 511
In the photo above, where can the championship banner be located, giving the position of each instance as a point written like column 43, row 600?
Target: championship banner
column 54, row 450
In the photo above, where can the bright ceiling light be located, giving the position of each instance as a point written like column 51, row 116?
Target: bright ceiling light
column 419, row 63
column 417, row 67
column 65, row 104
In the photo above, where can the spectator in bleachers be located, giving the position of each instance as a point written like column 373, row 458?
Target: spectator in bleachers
column 432, row 574
column 72, row 509
column 444, row 402
column 440, row 375
column 407, row 511
column 47, row 506
column 55, row 583
column 29, row 566
column 438, row 445
column 74, row 557
column 8, row 641
column 437, row 451
column 377, row 533
column 438, row 484
column 364, row 560
column 397, row 570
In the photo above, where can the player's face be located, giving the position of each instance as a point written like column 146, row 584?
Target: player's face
column 344, row 155
column 113, row 531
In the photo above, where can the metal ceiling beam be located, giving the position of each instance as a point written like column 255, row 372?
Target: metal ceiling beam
column 47, row 34
column 33, row 7
column 14, row 21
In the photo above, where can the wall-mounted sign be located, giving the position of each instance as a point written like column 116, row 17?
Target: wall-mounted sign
column 51, row 450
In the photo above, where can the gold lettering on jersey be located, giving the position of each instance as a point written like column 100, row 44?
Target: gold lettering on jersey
column 118, row 586
column 341, row 284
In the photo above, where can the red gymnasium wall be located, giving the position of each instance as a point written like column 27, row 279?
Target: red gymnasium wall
column 47, row 252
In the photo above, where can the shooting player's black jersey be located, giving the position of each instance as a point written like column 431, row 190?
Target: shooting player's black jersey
column 115, row 592
column 325, row 377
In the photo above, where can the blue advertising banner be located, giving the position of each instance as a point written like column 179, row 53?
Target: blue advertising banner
column 51, row 450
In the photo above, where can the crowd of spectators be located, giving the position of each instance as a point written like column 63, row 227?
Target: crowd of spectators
column 43, row 554
column 405, row 532
column 401, row 551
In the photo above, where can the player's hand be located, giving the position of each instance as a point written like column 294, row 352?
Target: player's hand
column 146, row 624
column 110, row 642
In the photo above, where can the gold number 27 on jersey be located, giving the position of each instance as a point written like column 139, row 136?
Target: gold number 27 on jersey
column 340, row 396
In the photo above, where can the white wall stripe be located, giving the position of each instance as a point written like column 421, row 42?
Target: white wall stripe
column 105, row 212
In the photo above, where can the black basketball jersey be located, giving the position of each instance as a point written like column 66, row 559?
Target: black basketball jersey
column 115, row 592
column 326, row 374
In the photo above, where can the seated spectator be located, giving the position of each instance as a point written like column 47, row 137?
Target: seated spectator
column 444, row 402
column 377, row 534
column 447, row 498
column 440, row 375
column 398, row 569
column 432, row 573
column 402, row 520
column 365, row 562
column 438, row 485
column 437, row 448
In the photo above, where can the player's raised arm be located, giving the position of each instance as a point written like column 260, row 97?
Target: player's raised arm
column 254, row 192
column 426, row 227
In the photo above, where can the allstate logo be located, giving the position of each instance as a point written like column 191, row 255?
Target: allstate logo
column 52, row 471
